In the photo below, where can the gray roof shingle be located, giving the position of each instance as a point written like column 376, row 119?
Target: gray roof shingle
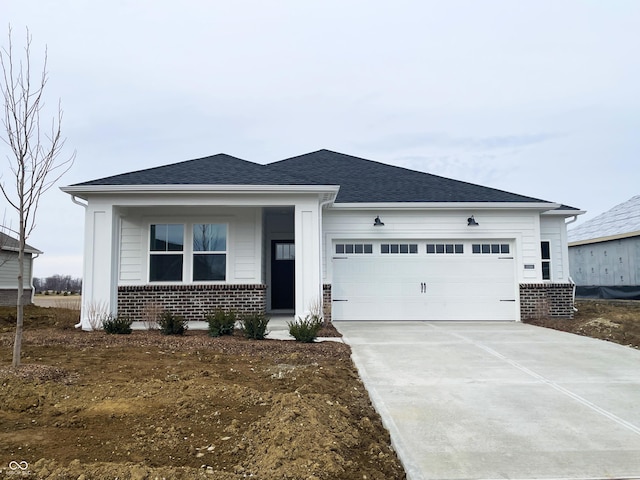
column 220, row 169
column 363, row 180
column 360, row 180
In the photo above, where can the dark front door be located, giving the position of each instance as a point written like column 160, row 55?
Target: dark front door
column 282, row 274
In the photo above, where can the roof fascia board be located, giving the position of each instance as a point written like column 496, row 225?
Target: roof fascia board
column 26, row 250
column 565, row 213
column 620, row 236
column 81, row 190
column 539, row 206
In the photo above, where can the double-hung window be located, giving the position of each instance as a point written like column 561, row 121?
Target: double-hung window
column 209, row 252
column 166, row 252
column 545, row 251
column 196, row 250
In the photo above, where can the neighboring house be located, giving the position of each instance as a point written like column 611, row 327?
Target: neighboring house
column 368, row 241
column 604, row 253
column 9, row 271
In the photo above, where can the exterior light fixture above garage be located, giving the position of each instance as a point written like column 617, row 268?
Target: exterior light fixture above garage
column 471, row 222
column 377, row 222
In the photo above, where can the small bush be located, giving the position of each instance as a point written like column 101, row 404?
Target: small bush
column 221, row 322
column 171, row 324
column 306, row 330
column 117, row 325
column 255, row 326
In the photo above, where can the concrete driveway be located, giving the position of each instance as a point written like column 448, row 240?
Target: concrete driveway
column 501, row 400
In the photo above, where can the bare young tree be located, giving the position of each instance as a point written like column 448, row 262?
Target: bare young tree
column 35, row 153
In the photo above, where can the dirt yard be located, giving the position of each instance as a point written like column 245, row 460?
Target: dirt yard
column 146, row 406
column 613, row 320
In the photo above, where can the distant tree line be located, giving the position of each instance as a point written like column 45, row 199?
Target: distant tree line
column 58, row 283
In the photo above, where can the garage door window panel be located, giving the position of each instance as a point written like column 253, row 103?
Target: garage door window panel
column 445, row 248
column 399, row 248
column 354, row 248
column 490, row 248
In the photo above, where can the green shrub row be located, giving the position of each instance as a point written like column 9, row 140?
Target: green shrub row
column 220, row 322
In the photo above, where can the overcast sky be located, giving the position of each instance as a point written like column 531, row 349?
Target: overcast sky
column 536, row 97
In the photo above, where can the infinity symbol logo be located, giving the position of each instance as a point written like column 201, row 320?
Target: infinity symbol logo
column 13, row 465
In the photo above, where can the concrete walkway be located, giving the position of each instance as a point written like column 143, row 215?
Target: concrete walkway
column 501, row 400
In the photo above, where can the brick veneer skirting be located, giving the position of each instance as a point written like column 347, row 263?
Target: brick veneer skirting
column 9, row 297
column 193, row 302
column 544, row 300
column 326, row 302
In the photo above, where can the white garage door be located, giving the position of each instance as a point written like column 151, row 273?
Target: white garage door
column 424, row 280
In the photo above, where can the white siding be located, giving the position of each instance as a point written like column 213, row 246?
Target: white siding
column 520, row 227
column 9, row 270
column 132, row 242
column 553, row 229
column 246, row 248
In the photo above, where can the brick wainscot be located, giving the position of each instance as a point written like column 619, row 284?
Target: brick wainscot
column 545, row 300
column 193, row 302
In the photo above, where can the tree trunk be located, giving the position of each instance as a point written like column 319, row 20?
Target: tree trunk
column 17, row 344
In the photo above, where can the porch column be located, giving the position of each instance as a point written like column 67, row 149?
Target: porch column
column 99, row 280
column 308, row 257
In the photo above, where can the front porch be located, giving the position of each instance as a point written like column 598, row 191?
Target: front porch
column 268, row 261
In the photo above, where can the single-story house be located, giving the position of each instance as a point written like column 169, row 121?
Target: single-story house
column 604, row 253
column 9, row 247
column 366, row 240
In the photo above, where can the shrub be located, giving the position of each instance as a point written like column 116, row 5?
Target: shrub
column 221, row 322
column 171, row 324
column 306, row 330
column 255, row 326
column 117, row 325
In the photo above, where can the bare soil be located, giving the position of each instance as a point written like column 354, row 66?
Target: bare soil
column 87, row 405
column 612, row 320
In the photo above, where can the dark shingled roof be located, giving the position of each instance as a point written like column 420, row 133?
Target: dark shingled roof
column 220, row 169
column 363, row 180
column 360, row 180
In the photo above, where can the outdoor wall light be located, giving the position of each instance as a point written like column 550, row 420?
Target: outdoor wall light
column 471, row 222
column 377, row 222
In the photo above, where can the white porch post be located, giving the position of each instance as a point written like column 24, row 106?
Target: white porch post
column 308, row 257
column 99, row 281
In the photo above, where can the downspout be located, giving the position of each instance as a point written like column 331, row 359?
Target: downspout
column 33, row 288
column 323, row 203
column 83, row 205
column 573, row 299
